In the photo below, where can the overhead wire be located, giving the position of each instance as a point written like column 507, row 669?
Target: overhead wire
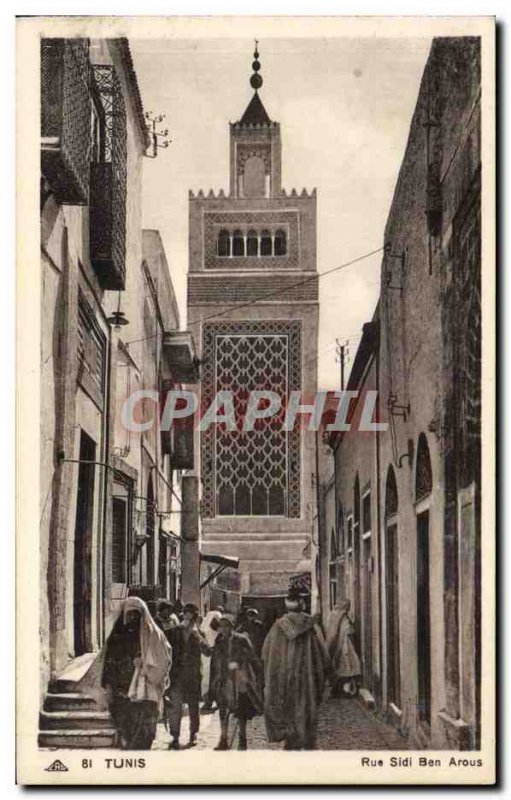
column 268, row 295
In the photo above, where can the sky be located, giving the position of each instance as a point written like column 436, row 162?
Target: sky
column 344, row 107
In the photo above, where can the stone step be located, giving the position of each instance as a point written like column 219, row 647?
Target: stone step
column 78, row 740
column 69, row 701
column 71, row 720
column 68, row 679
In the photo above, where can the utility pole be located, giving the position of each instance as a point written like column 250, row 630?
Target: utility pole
column 341, row 352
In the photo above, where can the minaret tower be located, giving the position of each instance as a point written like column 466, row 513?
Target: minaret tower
column 255, row 147
column 253, row 305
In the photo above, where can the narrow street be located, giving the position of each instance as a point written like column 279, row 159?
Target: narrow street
column 343, row 725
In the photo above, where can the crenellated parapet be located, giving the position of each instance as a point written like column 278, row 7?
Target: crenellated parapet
column 211, row 195
column 294, row 193
column 253, row 126
column 221, row 195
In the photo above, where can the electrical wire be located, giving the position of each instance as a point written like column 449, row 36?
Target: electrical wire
column 273, row 293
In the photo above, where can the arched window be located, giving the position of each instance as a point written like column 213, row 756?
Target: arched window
column 356, row 502
column 280, row 243
column 266, row 244
column 252, row 243
column 391, row 503
column 224, row 243
column 423, row 473
column 334, row 545
column 238, row 243
column 340, row 528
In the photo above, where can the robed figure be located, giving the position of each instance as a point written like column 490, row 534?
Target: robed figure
column 185, row 676
column 236, row 681
column 133, row 670
column 209, row 630
column 344, row 661
column 295, row 663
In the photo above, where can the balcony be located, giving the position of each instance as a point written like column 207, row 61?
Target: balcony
column 66, row 118
column 107, row 214
column 107, row 228
column 178, row 443
column 180, row 358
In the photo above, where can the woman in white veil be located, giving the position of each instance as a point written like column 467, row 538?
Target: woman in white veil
column 130, row 674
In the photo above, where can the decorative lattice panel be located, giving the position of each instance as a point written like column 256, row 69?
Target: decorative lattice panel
column 108, row 185
column 251, row 473
column 65, row 118
column 244, row 221
column 248, row 288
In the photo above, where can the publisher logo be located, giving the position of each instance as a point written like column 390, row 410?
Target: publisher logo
column 57, row 766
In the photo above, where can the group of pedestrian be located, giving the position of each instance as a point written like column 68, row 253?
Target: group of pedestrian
column 151, row 667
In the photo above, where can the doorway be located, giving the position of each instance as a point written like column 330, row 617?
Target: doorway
column 162, row 566
column 82, row 583
column 150, row 534
column 356, row 600
column 392, row 586
column 366, row 611
column 423, row 620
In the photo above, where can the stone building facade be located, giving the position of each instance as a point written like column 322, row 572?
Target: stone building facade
column 109, row 326
column 253, row 304
column 407, row 544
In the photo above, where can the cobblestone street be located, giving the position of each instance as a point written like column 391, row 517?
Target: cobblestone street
column 344, row 724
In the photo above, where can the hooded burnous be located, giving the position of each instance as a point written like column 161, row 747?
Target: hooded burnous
column 295, row 660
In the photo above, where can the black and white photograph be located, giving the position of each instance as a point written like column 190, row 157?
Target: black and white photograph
column 258, row 508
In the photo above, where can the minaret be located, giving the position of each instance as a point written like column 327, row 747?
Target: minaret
column 256, row 486
column 255, row 147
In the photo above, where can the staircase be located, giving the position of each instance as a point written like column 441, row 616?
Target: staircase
column 71, row 719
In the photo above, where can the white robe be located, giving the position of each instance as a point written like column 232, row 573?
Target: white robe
column 210, row 636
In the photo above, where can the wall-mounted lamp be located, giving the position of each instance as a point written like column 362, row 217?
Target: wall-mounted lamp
column 118, row 318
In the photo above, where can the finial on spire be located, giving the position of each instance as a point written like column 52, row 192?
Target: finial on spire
column 256, row 81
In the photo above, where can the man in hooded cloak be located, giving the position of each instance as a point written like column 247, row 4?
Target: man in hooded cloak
column 295, row 661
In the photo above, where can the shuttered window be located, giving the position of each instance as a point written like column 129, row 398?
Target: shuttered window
column 91, row 346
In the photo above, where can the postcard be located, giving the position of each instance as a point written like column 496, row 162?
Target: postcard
column 255, row 394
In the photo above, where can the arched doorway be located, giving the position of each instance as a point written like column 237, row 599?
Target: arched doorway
column 334, row 555
column 83, row 543
column 356, row 561
column 342, row 552
column 392, row 590
column 423, row 488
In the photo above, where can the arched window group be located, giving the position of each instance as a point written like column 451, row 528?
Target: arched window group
column 238, row 243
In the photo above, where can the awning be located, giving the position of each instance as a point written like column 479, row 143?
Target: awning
column 169, row 535
column 226, row 561
column 222, row 562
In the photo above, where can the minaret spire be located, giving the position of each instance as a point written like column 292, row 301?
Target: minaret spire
column 255, row 112
column 256, row 80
